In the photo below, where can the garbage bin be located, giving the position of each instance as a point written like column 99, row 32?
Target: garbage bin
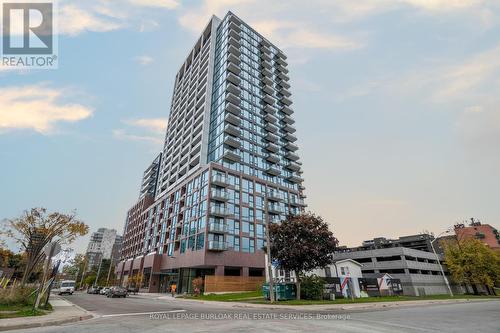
column 282, row 291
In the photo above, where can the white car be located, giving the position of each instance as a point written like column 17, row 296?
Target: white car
column 104, row 291
column 65, row 287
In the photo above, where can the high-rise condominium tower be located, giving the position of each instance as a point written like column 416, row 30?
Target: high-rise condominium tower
column 229, row 165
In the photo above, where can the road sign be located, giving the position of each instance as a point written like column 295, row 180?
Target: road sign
column 56, row 248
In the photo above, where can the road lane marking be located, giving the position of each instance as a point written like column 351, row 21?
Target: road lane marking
column 140, row 313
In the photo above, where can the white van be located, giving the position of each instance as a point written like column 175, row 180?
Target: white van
column 65, row 287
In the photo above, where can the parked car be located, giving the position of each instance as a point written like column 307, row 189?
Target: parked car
column 94, row 290
column 104, row 291
column 133, row 290
column 65, row 287
column 117, row 291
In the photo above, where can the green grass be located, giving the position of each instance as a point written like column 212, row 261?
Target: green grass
column 14, row 311
column 256, row 298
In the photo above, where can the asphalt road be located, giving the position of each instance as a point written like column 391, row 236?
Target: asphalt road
column 133, row 314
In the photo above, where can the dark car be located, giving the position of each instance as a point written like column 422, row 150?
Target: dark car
column 117, row 291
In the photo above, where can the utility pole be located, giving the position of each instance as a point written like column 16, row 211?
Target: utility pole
column 110, row 265
column 439, row 263
column 84, row 268
column 268, row 248
column 98, row 271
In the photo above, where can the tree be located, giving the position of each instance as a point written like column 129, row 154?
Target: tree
column 301, row 243
column 472, row 262
column 36, row 228
column 76, row 266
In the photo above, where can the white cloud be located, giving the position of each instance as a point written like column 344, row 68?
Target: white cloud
column 74, row 20
column 150, row 130
column 121, row 134
column 169, row 4
column 36, row 107
column 144, row 60
column 157, row 125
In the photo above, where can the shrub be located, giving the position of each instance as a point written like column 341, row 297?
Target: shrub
column 197, row 285
column 16, row 295
column 311, row 287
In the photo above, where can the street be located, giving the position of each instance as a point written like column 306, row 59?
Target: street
column 134, row 314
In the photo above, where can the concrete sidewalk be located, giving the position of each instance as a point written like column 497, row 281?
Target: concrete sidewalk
column 317, row 307
column 63, row 312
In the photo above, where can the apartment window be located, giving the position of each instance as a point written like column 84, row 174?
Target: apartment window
column 344, row 270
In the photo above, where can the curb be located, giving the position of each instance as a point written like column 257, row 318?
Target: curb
column 46, row 323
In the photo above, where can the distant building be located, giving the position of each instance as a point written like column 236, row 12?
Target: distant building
column 484, row 232
column 417, row 270
column 420, row 242
column 103, row 244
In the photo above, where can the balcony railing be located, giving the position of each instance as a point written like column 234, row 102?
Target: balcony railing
column 217, row 246
column 219, row 211
column 217, row 227
column 221, row 180
column 220, row 195
column 274, row 195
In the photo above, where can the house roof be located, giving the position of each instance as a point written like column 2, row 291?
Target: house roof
column 351, row 260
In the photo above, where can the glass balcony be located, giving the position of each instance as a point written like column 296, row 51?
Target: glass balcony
column 284, row 84
column 217, row 227
column 268, row 90
column 233, row 68
column 234, row 41
column 290, row 137
column 220, row 179
column 292, row 156
column 274, row 195
column 233, row 98
column 220, row 211
column 269, row 109
column 271, row 137
column 266, row 73
column 295, row 179
column 266, row 64
column 287, row 110
column 232, row 142
column 269, row 100
column 288, row 128
column 230, row 129
column 285, row 92
column 231, row 108
column 273, row 171
column 270, row 118
column 234, row 34
column 234, row 26
column 297, row 202
column 289, row 120
column 219, row 195
column 232, row 119
column 265, row 56
column 217, row 246
column 292, row 166
column 231, row 88
column 233, row 59
column 266, row 80
column 291, row 146
column 281, row 61
column 234, row 50
column 275, row 209
column 233, row 79
column 271, row 128
column 232, row 156
column 286, row 101
column 272, row 147
column 272, row 158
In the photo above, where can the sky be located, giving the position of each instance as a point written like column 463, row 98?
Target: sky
column 397, row 108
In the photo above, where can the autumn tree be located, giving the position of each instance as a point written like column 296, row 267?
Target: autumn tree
column 302, row 243
column 36, row 228
column 471, row 262
column 76, row 267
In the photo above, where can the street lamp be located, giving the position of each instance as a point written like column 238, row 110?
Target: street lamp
column 439, row 262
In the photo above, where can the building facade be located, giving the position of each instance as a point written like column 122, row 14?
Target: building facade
column 229, row 165
column 417, row 270
column 103, row 244
column 475, row 229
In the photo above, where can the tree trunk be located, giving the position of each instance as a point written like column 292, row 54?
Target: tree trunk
column 474, row 288
column 297, row 284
